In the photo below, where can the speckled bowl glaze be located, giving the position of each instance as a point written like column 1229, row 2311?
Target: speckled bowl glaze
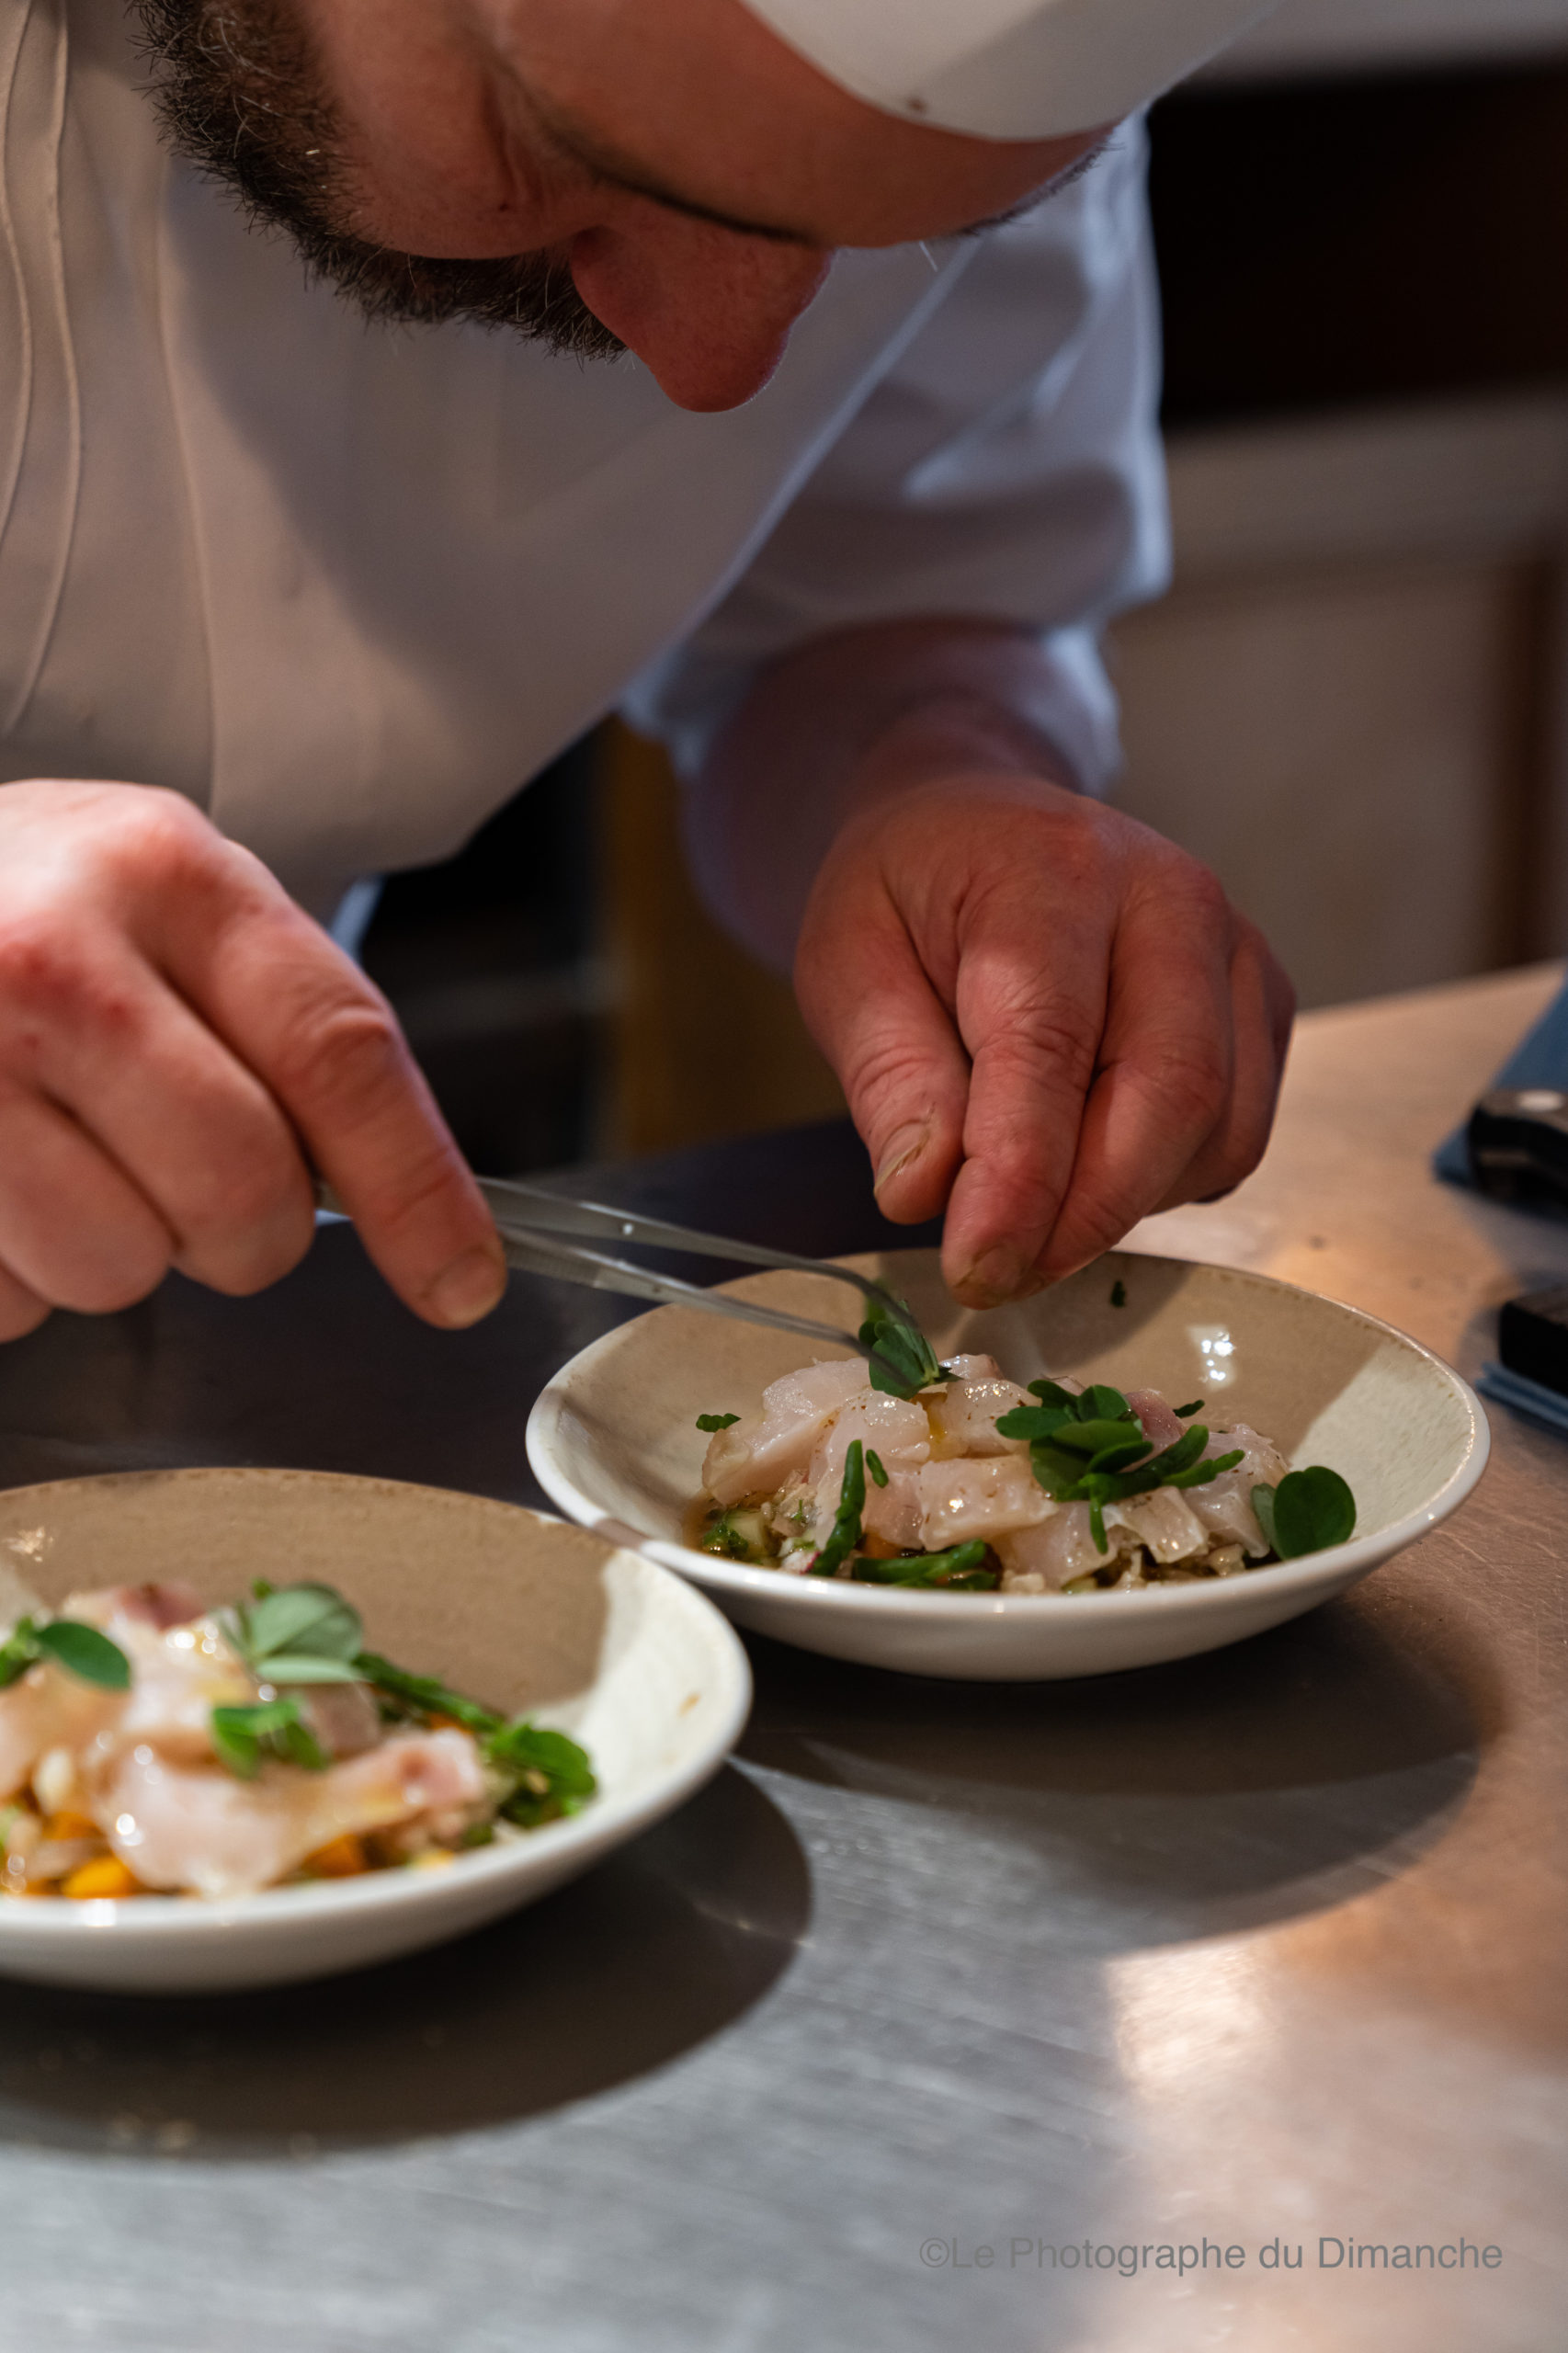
column 613, row 1442
column 512, row 1606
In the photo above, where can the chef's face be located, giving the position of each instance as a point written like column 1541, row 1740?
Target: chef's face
column 687, row 173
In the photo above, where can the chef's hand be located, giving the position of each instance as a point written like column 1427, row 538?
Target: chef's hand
column 1043, row 1015
column 177, row 1041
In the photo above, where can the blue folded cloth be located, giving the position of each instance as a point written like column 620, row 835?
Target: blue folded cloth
column 1541, row 1059
column 1526, row 1396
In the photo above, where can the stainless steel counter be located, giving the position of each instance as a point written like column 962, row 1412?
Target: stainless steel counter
column 937, row 1982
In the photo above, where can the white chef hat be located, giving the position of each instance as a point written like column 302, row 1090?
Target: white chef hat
column 1007, row 69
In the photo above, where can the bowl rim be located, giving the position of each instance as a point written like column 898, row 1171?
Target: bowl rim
column 1337, row 1562
column 276, row 1912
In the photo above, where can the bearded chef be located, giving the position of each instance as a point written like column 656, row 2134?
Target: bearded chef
column 779, row 371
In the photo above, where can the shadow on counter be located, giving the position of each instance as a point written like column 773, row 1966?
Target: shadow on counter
column 662, row 1946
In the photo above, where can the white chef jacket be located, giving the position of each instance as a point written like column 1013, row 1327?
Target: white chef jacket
column 347, row 586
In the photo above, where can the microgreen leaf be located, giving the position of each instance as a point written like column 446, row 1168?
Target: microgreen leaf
column 715, row 1421
column 552, row 1774
column 1263, row 1508
column 80, row 1650
column 1033, row 1421
column 296, row 1622
column 1183, row 1412
column 1119, row 1294
column 85, row 1653
column 1120, row 1455
column 1312, row 1509
column 874, row 1465
column 17, row 1652
column 1100, row 1402
column 962, row 1569
column 1086, row 1438
column 303, row 1668
column 244, row 1738
column 1051, row 1392
column 846, row 1531
column 904, row 1361
column 1201, row 1472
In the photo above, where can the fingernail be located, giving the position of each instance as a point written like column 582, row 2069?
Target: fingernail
column 908, row 1142
column 468, row 1288
column 997, row 1275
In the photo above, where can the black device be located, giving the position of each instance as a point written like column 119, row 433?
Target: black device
column 1518, row 1146
column 1532, row 1336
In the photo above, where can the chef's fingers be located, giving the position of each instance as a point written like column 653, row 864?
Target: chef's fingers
column 106, row 1039
column 1167, row 1060
column 73, row 1229
column 1263, row 1007
column 872, row 1011
column 1032, row 999
column 21, row 1310
column 322, row 1039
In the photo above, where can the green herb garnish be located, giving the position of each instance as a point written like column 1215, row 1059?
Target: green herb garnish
column 904, row 1361
column 296, row 1633
column 715, row 1421
column 550, row 1774
column 64, row 1642
column 1307, row 1512
column 1119, row 1294
column 874, row 1465
column 246, row 1738
column 846, row 1531
column 1092, row 1449
column 961, row 1569
column 1182, row 1412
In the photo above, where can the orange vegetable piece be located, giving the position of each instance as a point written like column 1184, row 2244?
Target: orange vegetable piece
column 105, row 1875
column 70, row 1824
column 342, row 1858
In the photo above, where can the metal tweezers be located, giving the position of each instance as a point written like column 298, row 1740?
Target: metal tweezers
column 536, row 1230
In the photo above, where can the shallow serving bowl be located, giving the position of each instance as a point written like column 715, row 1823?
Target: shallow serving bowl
column 513, row 1607
column 613, row 1442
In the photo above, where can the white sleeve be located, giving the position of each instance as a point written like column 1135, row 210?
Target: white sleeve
column 1007, row 466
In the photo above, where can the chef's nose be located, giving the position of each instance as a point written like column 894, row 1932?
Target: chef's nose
column 708, row 313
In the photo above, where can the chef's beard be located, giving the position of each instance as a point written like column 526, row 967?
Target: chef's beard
column 241, row 98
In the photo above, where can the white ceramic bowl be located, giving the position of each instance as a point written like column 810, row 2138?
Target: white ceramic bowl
column 613, row 1442
column 513, row 1607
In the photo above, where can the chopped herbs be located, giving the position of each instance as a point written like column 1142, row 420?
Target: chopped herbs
column 715, row 1421
column 80, row 1650
column 740, row 1534
column 846, row 1531
column 1307, row 1512
column 1119, row 1294
column 874, row 1465
column 904, row 1361
column 1182, row 1412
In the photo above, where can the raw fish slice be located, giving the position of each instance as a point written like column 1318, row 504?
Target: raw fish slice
column 180, row 1828
column 764, row 1451
column 1224, row 1504
column 967, row 1499
column 1164, row 1521
column 964, row 1415
column 1060, row 1548
column 48, row 1709
column 178, row 1676
column 895, row 1430
column 1161, row 1427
